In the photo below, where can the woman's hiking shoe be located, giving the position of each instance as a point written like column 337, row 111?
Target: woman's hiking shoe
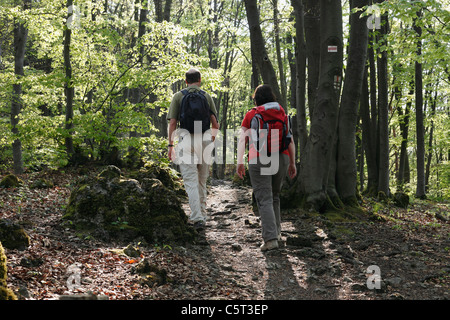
column 270, row 245
column 280, row 240
column 199, row 225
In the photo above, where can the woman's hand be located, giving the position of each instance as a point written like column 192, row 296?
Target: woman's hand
column 292, row 170
column 240, row 170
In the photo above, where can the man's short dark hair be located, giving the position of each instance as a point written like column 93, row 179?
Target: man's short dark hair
column 193, row 76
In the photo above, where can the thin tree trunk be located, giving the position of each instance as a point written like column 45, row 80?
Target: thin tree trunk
column 282, row 76
column 300, row 90
column 293, row 92
column 312, row 42
column 20, row 39
column 68, row 85
column 368, row 136
column 420, row 133
column 135, row 93
column 259, row 53
column 404, row 129
column 383, row 114
column 430, row 143
column 373, row 152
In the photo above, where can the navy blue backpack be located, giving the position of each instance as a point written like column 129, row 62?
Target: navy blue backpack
column 194, row 107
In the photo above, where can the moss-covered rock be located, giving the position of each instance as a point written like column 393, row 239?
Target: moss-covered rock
column 114, row 206
column 5, row 292
column 10, row 181
column 168, row 177
column 401, row 199
column 13, row 236
column 150, row 275
column 41, row 183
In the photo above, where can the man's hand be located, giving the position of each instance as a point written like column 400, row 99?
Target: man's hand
column 171, row 130
column 171, row 154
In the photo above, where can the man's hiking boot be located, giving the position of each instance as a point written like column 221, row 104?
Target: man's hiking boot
column 270, row 245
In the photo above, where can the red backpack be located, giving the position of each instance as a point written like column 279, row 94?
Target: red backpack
column 270, row 117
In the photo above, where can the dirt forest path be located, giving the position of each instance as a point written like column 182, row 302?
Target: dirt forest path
column 308, row 270
column 317, row 262
column 323, row 257
column 232, row 240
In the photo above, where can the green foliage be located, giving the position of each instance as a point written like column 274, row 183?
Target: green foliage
column 109, row 61
column 123, row 83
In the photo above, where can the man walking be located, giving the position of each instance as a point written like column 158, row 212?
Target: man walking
column 195, row 111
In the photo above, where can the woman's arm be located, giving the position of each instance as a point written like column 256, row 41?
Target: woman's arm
column 292, row 170
column 240, row 170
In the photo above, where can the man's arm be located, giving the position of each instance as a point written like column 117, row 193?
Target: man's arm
column 214, row 127
column 172, row 128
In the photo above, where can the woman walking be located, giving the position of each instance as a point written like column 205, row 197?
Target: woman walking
column 271, row 156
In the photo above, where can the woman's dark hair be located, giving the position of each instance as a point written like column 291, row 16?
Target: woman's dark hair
column 263, row 94
column 193, row 76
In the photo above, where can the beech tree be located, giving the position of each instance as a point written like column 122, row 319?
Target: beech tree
column 69, row 89
column 259, row 52
column 420, row 188
column 346, row 171
column 20, row 40
column 383, row 109
column 317, row 158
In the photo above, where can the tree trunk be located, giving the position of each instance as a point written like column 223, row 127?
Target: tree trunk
column 346, row 175
column 300, row 75
column 315, row 164
column 293, row 91
column 404, row 129
column 68, row 85
column 430, row 141
column 20, row 39
column 282, row 76
column 368, row 136
column 312, row 38
column 162, row 14
column 135, row 93
column 160, row 120
column 383, row 114
column 259, row 53
column 420, row 133
column 372, row 153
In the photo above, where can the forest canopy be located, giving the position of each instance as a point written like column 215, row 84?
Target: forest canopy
column 91, row 81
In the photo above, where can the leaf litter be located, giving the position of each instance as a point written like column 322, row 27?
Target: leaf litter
column 410, row 247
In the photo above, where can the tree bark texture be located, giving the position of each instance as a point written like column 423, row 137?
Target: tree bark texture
column 315, row 164
column 68, row 85
column 383, row 113
column 282, row 76
column 259, row 53
column 20, row 39
column 420, row 130
column 312, row 42
column 368, row 138
column 300, row 75
column 403, row 170
column 346, row 174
